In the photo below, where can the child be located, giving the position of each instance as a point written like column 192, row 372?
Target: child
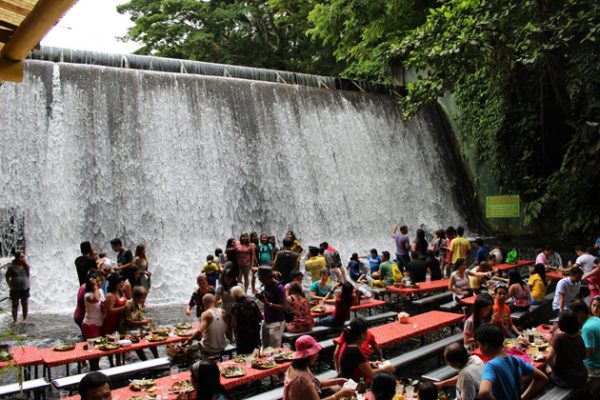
column 211, row 270
column 503, row 375
column 519, row 291
column 501, row 316
column 134, row 317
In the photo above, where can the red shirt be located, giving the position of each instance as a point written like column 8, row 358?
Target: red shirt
column 366, row 348
column 244, row 254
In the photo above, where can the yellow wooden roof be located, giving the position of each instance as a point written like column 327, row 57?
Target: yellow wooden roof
column 12, row 13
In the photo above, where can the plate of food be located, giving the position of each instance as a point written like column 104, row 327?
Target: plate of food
column 164, row 331
column 284, row 357
column 184, row 332
column 182, row 387
column 64, row 346
column 100, row 340
column 156, row 338
column 318, row 309
column 107, row 346
column 147, row 385
column 233, row 371
column 242, row 358
column 143, row 397
column 264, row 364
column 183, row 326
column 5, row 354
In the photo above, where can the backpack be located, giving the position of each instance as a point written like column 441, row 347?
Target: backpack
column 396, row 273
column 512, row 257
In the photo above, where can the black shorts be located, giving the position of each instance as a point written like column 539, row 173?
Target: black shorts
column 18, row 294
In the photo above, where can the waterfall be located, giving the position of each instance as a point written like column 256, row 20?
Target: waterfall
column 183, row 162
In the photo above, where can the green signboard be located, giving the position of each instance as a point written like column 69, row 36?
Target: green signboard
column 502, row 206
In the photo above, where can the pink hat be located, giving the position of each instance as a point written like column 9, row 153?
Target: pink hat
column 306, row 346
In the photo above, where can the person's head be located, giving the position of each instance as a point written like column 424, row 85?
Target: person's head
column 354, row 257
column 478, row 242
column 324, row 245
column 347, row 291
column 102, row 254
column 206, row 380
column 450, row 232
column 271, row 239
column 229, row 278
column 291, row 235
column 383, row 385
column 208, row 301
column 385, row 255
column 490, row 339
column 218, row 252
column 595, row 306
column 94, row 254
column 501, row 294
column 296, row 289
column 297, row 277
column 356, row 331
column 514, row 276
column 264, row 239
column 19, row 258
column 265, row 275
column 492, row 260
column 456, row 355
column 230, row 254
column 580, row 250
column 85, row 248
column 373, row 253
column 581, row 310
column 482, row 308
column 568, row 322
column 116, row 244
column 548, row 250
column 440, row 234
column 245, row 238
column 287, row 243
column 139, row 294
column 140, row 251
column 485, row 266
column 92, row 280
column 460, row 231
column 460, row 265
column 404, row 229
column 254, row 237
column 540, row 269
column 313, row 251
column 237, row 293
column 324, row 275
column 576, row 274
column 307, row 352
column 115, row 282
column 95, row 386
column 230, row 243
column 427, row 391
column 210, row 258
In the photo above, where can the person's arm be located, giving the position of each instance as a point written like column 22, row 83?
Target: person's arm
column 551, row 356
column 191, row 304
column 109, row 303
column 277, row 307
column 594, row 271
column 336, row 357
column 538, row 381
column 95, row 295
column 333, row 382
column 275, row 261
column 205, row 320
column 485, row 390
column 514, row 328
column 448, row 383
column 341, row 394
column 561, row 301
column 452, row 288
column 394, row 230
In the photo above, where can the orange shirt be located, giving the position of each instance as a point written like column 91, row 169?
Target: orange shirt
column 501, row 315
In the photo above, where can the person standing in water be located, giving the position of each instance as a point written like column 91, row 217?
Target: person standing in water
column 142, row 274
column 19, row 281
column 124, row 261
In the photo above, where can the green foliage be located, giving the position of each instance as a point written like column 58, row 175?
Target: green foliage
column 259, row 33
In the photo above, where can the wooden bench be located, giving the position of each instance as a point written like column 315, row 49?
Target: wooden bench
column 37, row 386
column 379, row 293
column 277, row 393
column 425, row 351
column 557, row 393
column 520, row 316
column 378, row 318
column 122, row 370
column 316, row 331
column 434, row 299
column 440, row 374
column 450, row 306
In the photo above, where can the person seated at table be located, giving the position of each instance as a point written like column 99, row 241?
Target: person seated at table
column 321, row 288
column 205, row 377
column 303, row 321
column 134, row 318
column 368, row 347
column 353, row 363
column 301, row 384
column 343, row 303
column 198, row 294
column 374, row 261
column 593, row 277
column 315, row 263
column 212, row 330
column 538, row 284
column 543, row 257
column 383, row 386
column 501, row 316
column 95, row 386
column 503, row 374
column 354, row 269
column 417, row 268
column 295, row 277
column 478, row 276
column 567, row 290
column 469, row 369
column 518, row 291
column 459, row 281
column 481, row 314
column 566, row 353
column 590, row 332
column 246, row 319
column 427, row 391
column 433, row 265
column 384, row 277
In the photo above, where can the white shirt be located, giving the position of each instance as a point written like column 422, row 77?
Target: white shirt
column 469, row 378
column 586, row 261
column 93, row 311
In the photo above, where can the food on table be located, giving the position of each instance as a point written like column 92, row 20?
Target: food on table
column 156, row 338
column 134, row 338
column 161, row 331
column 182, row 387
column 64, row 346
column 403, row 317
column 125, row 342
column 184, row 332
column 318, row 309
column 107, row 346
column 183, row 326
column 100, row 340
column 284, row 357
column 143, row 397
column 263, row 364
column 233, row 371
column 148, row 385
column 242, row 358
column 5, row 355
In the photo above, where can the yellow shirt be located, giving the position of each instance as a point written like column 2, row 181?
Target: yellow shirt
column 538, row 289
column 208, row 268
column 474, row 281
column 315, row 265
column 460, row 248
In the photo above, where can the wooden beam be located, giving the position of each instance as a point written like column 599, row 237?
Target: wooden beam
column 11, row 70
column 33, row 28
column 14, row 8
column 7, row 25
column 5, row 35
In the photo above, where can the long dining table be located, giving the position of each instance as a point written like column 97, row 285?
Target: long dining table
column 365, row 304
column 423, row 287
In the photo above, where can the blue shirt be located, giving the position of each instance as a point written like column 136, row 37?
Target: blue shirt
column 506, row 374
column 319, row 291
column 482, row 253
column 597, row 244
column 590, row 332
column 374, row 262
column 354, row 269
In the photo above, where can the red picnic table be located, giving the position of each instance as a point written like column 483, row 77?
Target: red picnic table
column 418, row 325
column 508, row 267
column 364, row 304
column 468, row 301
column 424, row 287
column 555, row 275
column 53, row 358
column 25, row 357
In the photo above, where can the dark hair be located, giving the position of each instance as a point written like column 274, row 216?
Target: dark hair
column 579, row 307
column 501, row 287
column 210, row 257
column 576, row 271
column 296, row 274
column 479, row 242
column 218, row 251
column 116, row 242
column 540, row 269
column 456, row 353
column 374, row 251
column 441, row 234
column 385, row 254
column 140, row 251
column 404, row 229
column 481, row 301
column 229, row 243
column 324, row 245
column 229, row 273
column 421, row 242
column 313, row 251
column 490, row 334
column 547, row 248
column 460, row 231
column 383, row 385
column 514, row 276
column 296, row 288
column 346, row 294
column 450, row 230
column 288, row 242
column 324, row 271
column 581, row 247
column 568, row 322
column 17, row 260
column 206, row 374
column 292, row 234
column 492, row 257
column 427, row 391
column 301, row 363
column 91, row 381
column 92, row 274
column 113, row 281
column 459, row 263
column 85, row 247
column 354, row 257
column 354, row 330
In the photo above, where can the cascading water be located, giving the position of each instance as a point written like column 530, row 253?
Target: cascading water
column 182, row 162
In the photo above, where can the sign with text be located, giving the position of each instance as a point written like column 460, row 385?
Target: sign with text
column 502, row 206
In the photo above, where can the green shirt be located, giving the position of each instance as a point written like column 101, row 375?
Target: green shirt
column 385, row 273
